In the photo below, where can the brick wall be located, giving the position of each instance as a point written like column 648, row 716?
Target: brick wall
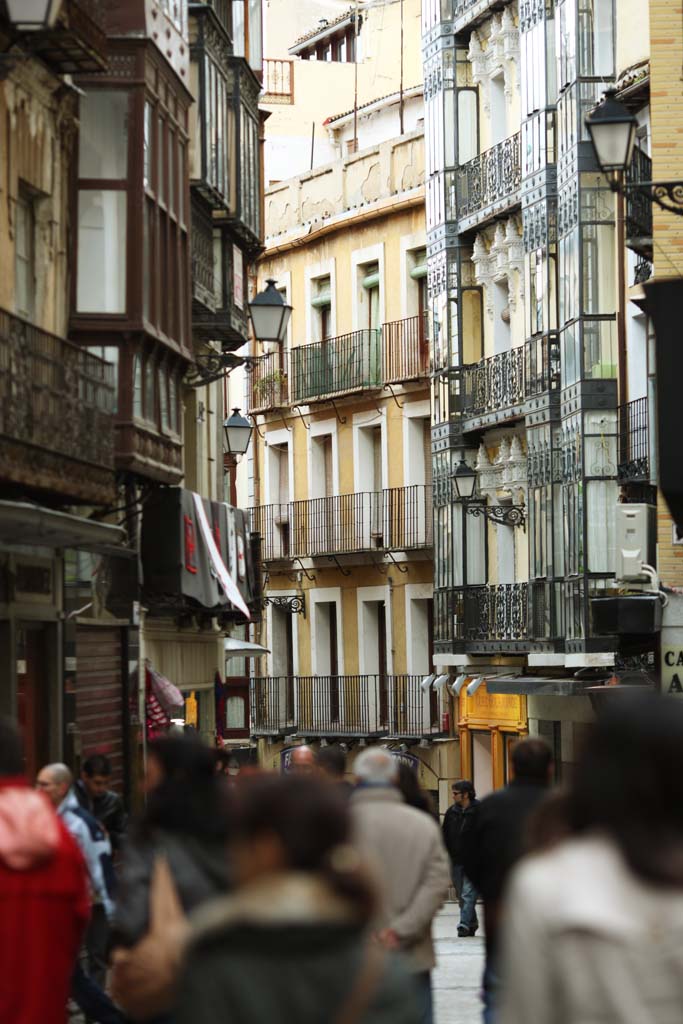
column 666, row 105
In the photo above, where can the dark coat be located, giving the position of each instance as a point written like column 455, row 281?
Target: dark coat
column 496, row 842
column 287, row 951
column 457, row 822
column 199, row 868
column 109, row 811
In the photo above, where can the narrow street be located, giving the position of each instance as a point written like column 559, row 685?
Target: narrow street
column 457, row 978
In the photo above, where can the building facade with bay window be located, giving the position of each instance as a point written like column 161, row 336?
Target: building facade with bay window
column 115, row 337
column 542, row 363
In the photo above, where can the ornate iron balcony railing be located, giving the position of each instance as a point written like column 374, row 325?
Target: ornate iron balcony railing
column 639, row 203
column 634, row 442
column 268, row 382
column 56, row 410
column 349, row 705
column 405, row 349
column 396, row 519
column 336, row 366
column 482, row 613
column 495, row 383
column 491, row 180
column 468, row 12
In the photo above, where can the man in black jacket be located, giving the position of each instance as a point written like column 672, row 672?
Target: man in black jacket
column 458, row 820
column 496, row 842
column 92, row 790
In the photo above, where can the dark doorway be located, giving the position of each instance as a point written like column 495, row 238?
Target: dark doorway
column 33, row 697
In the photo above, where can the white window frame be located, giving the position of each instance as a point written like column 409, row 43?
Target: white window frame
column 326, row 595
column 416, row 592
column 278, row 437
column 359, row 259
column 320, row 428
column 295, row 632
column 313, row 273
column 412, row 411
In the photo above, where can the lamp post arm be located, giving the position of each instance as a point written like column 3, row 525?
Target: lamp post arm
column 668, row 195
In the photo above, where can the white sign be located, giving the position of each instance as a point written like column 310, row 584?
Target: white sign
column 672, row 670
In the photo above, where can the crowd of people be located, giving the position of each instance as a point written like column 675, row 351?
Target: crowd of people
column 310, row 895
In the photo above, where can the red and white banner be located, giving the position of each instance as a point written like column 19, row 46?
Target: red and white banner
column 224, row 578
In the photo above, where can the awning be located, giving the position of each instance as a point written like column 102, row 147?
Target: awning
column 23, row 523
column 540, row 686
column 234, row 647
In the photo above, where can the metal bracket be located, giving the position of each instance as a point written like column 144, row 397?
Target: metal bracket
column 258, row 430
column 301, row 417
column 295, row 605
column 508, row 515
column 390, row 389
column 341, row 419
column 284, row 421
column 342, row 570
column 311, row 579
column 401, row 568
column 383, row 569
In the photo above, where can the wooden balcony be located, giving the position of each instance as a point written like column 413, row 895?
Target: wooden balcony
column 396, row 519
column 337, row 706
column 56, row 414
column 77, row 44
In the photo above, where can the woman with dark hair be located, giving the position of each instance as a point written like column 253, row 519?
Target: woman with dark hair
column 594, row 924
column 412, row 792
column 292, row 943
column 186, row 819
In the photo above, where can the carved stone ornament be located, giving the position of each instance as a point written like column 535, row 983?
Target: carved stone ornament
column 495, row 54
column 496, row 254
column 507, row 476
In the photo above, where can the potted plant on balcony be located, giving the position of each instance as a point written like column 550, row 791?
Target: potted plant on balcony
column 270, row 383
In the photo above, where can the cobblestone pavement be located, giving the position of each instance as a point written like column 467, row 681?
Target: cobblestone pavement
column 457, row 978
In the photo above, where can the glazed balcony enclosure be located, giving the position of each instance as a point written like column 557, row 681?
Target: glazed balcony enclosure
column 396, row 519
column 77, row 43
column 57, row 404
column 348, row 364
column 360, row 705
column 467, row 13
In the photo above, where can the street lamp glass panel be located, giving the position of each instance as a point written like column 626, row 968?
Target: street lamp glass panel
column 465, row 480
column 270, row 314
column 238, row 431
column 613, row 132
column 33, row 15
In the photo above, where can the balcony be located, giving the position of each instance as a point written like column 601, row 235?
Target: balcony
column 483, row 617
column 397, row 353
column 360, row 705
column 268, row 383
column 634, row 442
column 495, row 389
column 468, row 13
column 215, row 314
column 278, row 81
column 397, row 519
column 77, row 44
column 405, row 349
column 639, row 205
column 489, row 184
column 56, row 414
column 336, row 366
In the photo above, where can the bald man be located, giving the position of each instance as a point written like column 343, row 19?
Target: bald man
column 302, row 761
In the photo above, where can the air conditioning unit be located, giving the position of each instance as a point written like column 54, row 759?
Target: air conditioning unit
column 636, row 538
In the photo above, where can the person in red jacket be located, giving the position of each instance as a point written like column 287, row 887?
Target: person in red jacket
column 44, row 901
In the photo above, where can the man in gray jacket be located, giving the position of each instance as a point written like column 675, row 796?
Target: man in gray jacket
column 405, row 849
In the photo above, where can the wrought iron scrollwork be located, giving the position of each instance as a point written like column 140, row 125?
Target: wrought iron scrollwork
column 294, row 604
column 508, row 515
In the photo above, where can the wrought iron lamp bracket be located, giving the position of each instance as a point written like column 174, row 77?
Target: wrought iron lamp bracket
column 295, row 605
column 211, row 366
column 508, row 515
column 668, row 195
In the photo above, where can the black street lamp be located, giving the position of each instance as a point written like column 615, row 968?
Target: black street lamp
column 612, row 129
column 32, row 15
column 465, row 480
column 238, row 431
column 270, row 314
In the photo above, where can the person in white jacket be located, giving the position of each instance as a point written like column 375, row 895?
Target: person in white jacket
column 593, row 926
